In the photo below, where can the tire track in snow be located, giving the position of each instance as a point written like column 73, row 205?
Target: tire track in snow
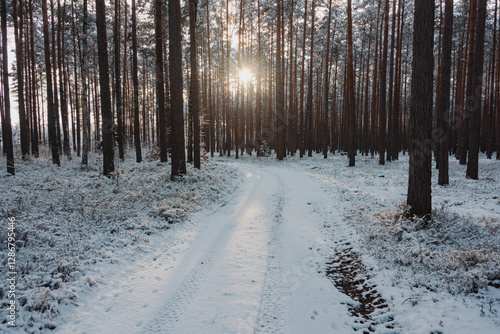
column 271, row 315
column 179, row 301
column 370, row 312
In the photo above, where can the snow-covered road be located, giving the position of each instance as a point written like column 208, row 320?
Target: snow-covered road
column 254, row 264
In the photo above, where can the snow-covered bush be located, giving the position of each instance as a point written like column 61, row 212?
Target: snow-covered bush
column 69, row 219
column 464, row 252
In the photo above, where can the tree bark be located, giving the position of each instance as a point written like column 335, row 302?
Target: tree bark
column 176, row 98
column 51, row 112
column 107, row 116
column 135, row 81
column 195, row 84
column 444, row 104
column 351, row 103
column 419, row 185
column 475, row 100
column 6, row 119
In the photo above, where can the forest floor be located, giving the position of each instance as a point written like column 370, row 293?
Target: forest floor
column 255, row 245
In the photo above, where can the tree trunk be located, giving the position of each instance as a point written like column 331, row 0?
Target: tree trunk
column 118, row 88
column 280, row 88
column 195, row 85
column 160, row 84
column 62, row 79
column 326, row 87
column 17, row 14
column 444, row 104
column 475, row 100
column 419, row 185
column 107, row 116
column 85, row 113
column 351, row 103
column 135, row 80
column 6, row 120
column 383, row 88
column 51, row 112
column 309, row 105
column 176, row 99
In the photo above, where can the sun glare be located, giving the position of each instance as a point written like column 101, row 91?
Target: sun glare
column 245, row 74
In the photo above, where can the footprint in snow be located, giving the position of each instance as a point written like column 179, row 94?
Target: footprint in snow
column 155, row 290
column 158, row 278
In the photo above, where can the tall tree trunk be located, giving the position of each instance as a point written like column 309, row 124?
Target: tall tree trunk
column 326, row 87
column 118, row 88
column 85, row 113
column 419, row 185
column 258, row 95
column 17, row 14
column 469, row 94
column 280, row 88
column 107, row 116
column 302, row 84
column 6, row 120
column 383, row 88
column 160, row 85
column 135, row 80
column 51, row 112
column 476, row 99
column 35, row 112
column 351, row 103
column 62, row 79
column 195, row 85
column 54, row 78
column 309, row 105
column 444, row 104
column 176, row 102
column 77, row 100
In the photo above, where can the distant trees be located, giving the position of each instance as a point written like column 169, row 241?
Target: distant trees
column 308, row 87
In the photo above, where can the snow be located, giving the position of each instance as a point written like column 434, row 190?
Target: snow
column 252, row 245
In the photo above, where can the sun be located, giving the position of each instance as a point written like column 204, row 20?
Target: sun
column 245, row 74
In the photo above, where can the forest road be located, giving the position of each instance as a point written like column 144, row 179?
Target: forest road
column 254, row 264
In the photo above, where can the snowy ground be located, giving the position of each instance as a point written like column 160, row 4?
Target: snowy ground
column 253, row 246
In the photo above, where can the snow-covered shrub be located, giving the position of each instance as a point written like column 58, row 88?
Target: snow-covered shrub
column 70, row 219
column 463, row 252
